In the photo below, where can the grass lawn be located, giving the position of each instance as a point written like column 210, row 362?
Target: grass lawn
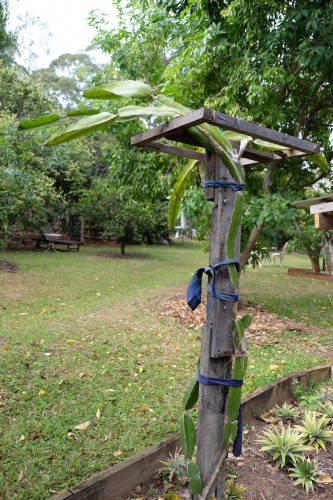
column 82, row 342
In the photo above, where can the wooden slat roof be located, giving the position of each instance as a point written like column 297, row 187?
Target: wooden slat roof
column 176, row 130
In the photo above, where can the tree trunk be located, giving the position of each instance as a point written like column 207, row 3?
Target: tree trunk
column 122, row 247
column 315, row 265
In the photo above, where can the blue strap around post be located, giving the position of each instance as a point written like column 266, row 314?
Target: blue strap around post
column 194, row 289
column 237, row 446
column 224, row 184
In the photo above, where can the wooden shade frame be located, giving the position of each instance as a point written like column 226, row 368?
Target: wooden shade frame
column 176, row 130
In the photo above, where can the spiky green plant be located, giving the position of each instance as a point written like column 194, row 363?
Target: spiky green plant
column 283, row 444
column 233, row 491
column 285, row 412
column 312, row 429
column 326, row 410
column 174, row 468
column 305, row 473
column 325, row 395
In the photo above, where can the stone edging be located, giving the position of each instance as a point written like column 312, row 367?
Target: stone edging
column 117, row 481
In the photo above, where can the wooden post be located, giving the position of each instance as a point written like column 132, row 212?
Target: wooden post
column 217, row 342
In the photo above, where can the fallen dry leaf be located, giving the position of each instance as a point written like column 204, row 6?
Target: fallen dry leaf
column 98, row 413
column 20, row 475
column 275, row 368
column 71, row 341
column 41, row 392
column 325, row 478
column 142, row 408
column 35, row 435
column 117, row 453
column 82, row 427
column 72, row 436
column 81, row 374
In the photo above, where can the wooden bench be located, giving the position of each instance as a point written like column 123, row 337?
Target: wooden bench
column 50, row 239
column 72, row 245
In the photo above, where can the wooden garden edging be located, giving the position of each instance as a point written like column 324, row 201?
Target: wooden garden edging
column 118, row 481
column 307, row 273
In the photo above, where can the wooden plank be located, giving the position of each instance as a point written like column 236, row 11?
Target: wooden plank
column 323, row 221
column 306, row 273
column 259, row 132
column 216, row 340
column 260, row 156
column 174, row 150
column 185, row 138
column 210, row 174
column 196, row 117
column 281, row 391
column 122, row 478
column 312, row 201
column 321, row 208
column 118, row 481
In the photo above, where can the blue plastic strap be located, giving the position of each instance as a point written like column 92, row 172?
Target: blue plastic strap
column 194, row 289
column 237, row 446
column 219, row 381
column 218, row 294
column 224, row 184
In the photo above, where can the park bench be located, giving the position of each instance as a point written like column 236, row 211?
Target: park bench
column 72, row 240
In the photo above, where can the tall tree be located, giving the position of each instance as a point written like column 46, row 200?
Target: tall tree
column 269, row 62
column 66, row 77
column 7, row 39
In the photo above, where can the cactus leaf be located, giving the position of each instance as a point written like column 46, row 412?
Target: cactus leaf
column 231, row 236
column 195, row 479
column 246, row 320
column 187, row 435
column 191, row 394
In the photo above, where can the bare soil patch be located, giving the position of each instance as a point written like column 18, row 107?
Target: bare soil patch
column 115, row 255
column 8, row 267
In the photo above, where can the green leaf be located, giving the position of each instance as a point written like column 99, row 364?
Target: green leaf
column 320, row 161
column 118, row 89
column 42, row 121
column 129, row 111
column 178, row 191
column 83, row 112
column 187, row 435
column 82, row 127
column 191, row 394
column 261, row 145
column 236, row 136
column 195, row 480
column 246, row 320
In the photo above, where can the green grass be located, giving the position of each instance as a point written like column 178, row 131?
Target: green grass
column 82, row 341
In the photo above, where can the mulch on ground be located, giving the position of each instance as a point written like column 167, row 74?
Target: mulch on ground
column 8, row 267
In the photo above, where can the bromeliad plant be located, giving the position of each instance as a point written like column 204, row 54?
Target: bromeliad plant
column 284, row 445
column 313, row 430
column 285, row 412
column 305, row 473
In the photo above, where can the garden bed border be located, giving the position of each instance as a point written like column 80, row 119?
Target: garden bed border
column 307, row 273
column 118, row 481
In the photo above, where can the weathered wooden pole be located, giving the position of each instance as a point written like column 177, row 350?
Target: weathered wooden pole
column 217, row 346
